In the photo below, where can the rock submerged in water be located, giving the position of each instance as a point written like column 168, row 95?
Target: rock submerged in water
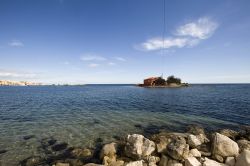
column 59, row 146
column 3, row 151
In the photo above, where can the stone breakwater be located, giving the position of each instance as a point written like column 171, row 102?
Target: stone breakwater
column 195, row 147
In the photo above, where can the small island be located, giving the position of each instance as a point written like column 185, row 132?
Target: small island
column 160, row 82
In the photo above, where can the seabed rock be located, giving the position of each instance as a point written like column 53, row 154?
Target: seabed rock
column 3, row 151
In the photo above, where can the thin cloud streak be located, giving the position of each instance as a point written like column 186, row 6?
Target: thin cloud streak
column 187, row 35
column 91, row 57
column 120, row 59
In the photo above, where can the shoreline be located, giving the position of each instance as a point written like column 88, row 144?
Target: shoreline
column 194, row 147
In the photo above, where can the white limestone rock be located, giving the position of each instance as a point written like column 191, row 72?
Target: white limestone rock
column 135, row 163
column 195, row 153
column 209, row 162
column 138, row 146
column 224, row 147
column 230, row 161
column 243, row 159
column 192, row 161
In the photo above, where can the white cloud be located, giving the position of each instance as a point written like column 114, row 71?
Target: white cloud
column 92, row 57
column 120, row 59
column 7, row 74
column 203, row 28
column 16, row 43
column 94, row 65
column 187, row 35
column 111, row 64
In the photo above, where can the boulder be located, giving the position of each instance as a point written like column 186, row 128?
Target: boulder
column 246, row 132
column 74, row 162
column 178, row 149
column 109, row 150
column 167, row 161
column 209, row 162
column 243, row 144
column 164, row 160
column 174, row 163
column 59, row 146
column 62, row 164
column 229, row 133
column 93, row 164
column 194, row 141
column 243, row 159
column 162, row 143
column 224, row 147
column 135, row 163
column 230, row 161
column 192, row 161
column 108, row 160
column 164, row 138
column 152, row 160
column 31, row 161
column 137, row 146
column 81, row 153
column 196, row 130
column 116, row 163
column 195, row 153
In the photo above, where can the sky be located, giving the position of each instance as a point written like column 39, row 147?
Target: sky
column 121, row 41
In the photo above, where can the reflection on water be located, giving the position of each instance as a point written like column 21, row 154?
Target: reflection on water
column 80, row 115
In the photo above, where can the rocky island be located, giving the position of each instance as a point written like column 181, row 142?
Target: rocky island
column 194, row 147
column 160, row 82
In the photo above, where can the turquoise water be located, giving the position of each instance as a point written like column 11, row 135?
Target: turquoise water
column 79, row 115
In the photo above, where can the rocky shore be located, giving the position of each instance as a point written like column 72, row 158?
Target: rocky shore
column 195, row 147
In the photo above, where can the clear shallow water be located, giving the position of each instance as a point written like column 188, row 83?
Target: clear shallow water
column 79, row 115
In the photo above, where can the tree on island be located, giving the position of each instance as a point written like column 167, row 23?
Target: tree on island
column 160, row 82
column 173, row 80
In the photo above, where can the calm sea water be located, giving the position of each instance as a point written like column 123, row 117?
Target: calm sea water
column 79, row 115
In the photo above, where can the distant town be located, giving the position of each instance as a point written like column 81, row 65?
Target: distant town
column 18, row 83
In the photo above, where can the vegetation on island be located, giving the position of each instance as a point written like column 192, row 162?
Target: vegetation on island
column 173, row 80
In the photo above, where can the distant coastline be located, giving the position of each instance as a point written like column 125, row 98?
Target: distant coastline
column 18, row 83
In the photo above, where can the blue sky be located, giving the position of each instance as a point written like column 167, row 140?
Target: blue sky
column 120, row 41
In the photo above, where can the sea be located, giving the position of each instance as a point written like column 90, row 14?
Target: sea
column 81, row 115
